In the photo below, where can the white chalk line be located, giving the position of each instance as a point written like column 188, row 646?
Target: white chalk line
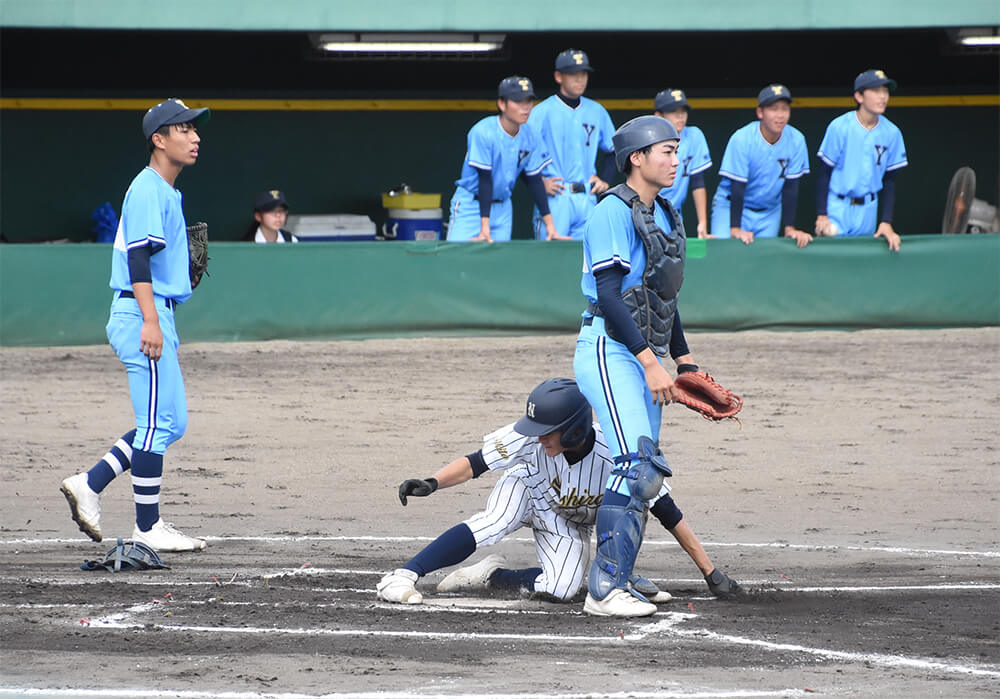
column 193, row 694
column 648, row 542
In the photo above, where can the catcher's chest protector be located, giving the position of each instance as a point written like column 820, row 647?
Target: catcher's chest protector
column 653, row 304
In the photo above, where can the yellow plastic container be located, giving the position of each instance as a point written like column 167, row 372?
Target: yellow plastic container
column 414, row 200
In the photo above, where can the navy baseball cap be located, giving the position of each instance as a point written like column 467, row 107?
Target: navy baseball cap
column 773, row 93
column 172, row 111
column 670, row 101
column 572, row 61
column 516, row 88
column 270, row 200
column 873, row 78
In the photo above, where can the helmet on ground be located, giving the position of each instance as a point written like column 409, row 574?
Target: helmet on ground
column 127, row 555
column 639, row 133
column 556, row 404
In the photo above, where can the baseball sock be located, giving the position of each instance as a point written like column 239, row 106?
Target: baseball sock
column 115, row 463
column 506, row 579
column 147, row 474
column 452, row 547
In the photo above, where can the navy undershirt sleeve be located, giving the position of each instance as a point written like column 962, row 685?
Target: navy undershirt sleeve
column 616, row 316
column 485, row 195
column 789, row 201
column 666, row 510
column 822, row 188
column 678, row 345
column 737, row 191
column 537, row 188
column 479, row 466
column 697, row 181
column 888, row 195
column 608, row 168
column 138, row 265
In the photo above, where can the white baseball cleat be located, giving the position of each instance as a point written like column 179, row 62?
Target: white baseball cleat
column 84, row 505
column 399, row 586
column 164, row 537
column 472, row 577
column 618, row 603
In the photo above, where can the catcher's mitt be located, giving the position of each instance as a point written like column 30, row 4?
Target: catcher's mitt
column 699, row 391
column 197, row 251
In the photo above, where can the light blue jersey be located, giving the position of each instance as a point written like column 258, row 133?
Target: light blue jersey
column 764, row 167
column 504, row 156
column 152, row 215
column 860, row 157
column 693, row 153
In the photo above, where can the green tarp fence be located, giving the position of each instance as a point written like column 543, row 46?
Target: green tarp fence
column 58, row 294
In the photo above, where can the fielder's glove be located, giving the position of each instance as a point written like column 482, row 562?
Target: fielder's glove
column 722, row 586
column 198, row 258
column 700, row 392
column 417, row 488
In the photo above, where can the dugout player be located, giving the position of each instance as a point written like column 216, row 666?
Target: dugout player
column 555, row 462
column 270, row 212
column 692, row 152
column 860, row 153
column 759, row 176
column 149, row 278
column 633, row 266
column 573, row 129
column 499, row 149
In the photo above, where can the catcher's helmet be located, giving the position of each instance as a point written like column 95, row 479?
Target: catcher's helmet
column 127, row 555
column 641, row 132
column 556, row 404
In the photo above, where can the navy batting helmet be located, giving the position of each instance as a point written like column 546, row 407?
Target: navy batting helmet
column 556, row 404
column 639, row 133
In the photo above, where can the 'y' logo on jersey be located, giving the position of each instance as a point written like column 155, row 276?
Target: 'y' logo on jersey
column 687, row 163
column 522, row 156
column 879, row 152
column 783, row 162
column 589, row 128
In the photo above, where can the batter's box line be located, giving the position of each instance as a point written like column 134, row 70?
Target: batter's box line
column 648, row 542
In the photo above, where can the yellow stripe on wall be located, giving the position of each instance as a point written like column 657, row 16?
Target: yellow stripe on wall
column 443, row 105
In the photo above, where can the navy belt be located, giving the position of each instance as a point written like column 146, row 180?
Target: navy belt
column 171, row 304
column 576, row 187
column 748, row 208
column 589, row 320
column 857, row 201
column 494, row 201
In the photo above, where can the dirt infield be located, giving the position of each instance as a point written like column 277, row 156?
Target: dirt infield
column 857, row 503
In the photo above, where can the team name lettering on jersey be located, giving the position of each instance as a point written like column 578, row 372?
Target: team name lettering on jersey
column 879, row 152
column 573, row 500
column 501, row 449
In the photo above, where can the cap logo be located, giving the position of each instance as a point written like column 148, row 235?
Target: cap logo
column 880, row 75
column 777, row 89
column 525, row 84
column 578, row 57
column 531, row 409
column 677, row 95
column 274, row 193
column 178, row 101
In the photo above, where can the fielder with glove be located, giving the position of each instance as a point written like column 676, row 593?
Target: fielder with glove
column 555, row 462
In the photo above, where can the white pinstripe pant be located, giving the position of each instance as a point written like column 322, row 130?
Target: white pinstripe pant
column 563, row 547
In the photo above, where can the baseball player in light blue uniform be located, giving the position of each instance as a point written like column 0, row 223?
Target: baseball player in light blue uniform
column 149, row 279
column 499, row 149
column 633, row 267
column 693, row 154
column 573, row 129
column 759, row 186
column 861, row 153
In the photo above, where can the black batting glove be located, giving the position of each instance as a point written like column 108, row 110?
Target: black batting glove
column 722, row 586
column 417, row 488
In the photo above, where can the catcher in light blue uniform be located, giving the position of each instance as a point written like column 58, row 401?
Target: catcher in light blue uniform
column 693, row 154
column 861, row 153
column 150, row 279
column 573, row 129
column 499, row 149
column 633, row 249
column 759, row 187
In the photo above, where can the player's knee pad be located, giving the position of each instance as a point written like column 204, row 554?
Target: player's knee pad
column 649, row 467
column 619, row 535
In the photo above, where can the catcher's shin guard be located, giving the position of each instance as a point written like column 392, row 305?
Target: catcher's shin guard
column 620, row 527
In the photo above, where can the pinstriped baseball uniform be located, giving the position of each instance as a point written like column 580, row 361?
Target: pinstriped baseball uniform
column 556, row 499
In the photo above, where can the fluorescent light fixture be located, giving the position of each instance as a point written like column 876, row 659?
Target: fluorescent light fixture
column 978, row 36
column 409, row 43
